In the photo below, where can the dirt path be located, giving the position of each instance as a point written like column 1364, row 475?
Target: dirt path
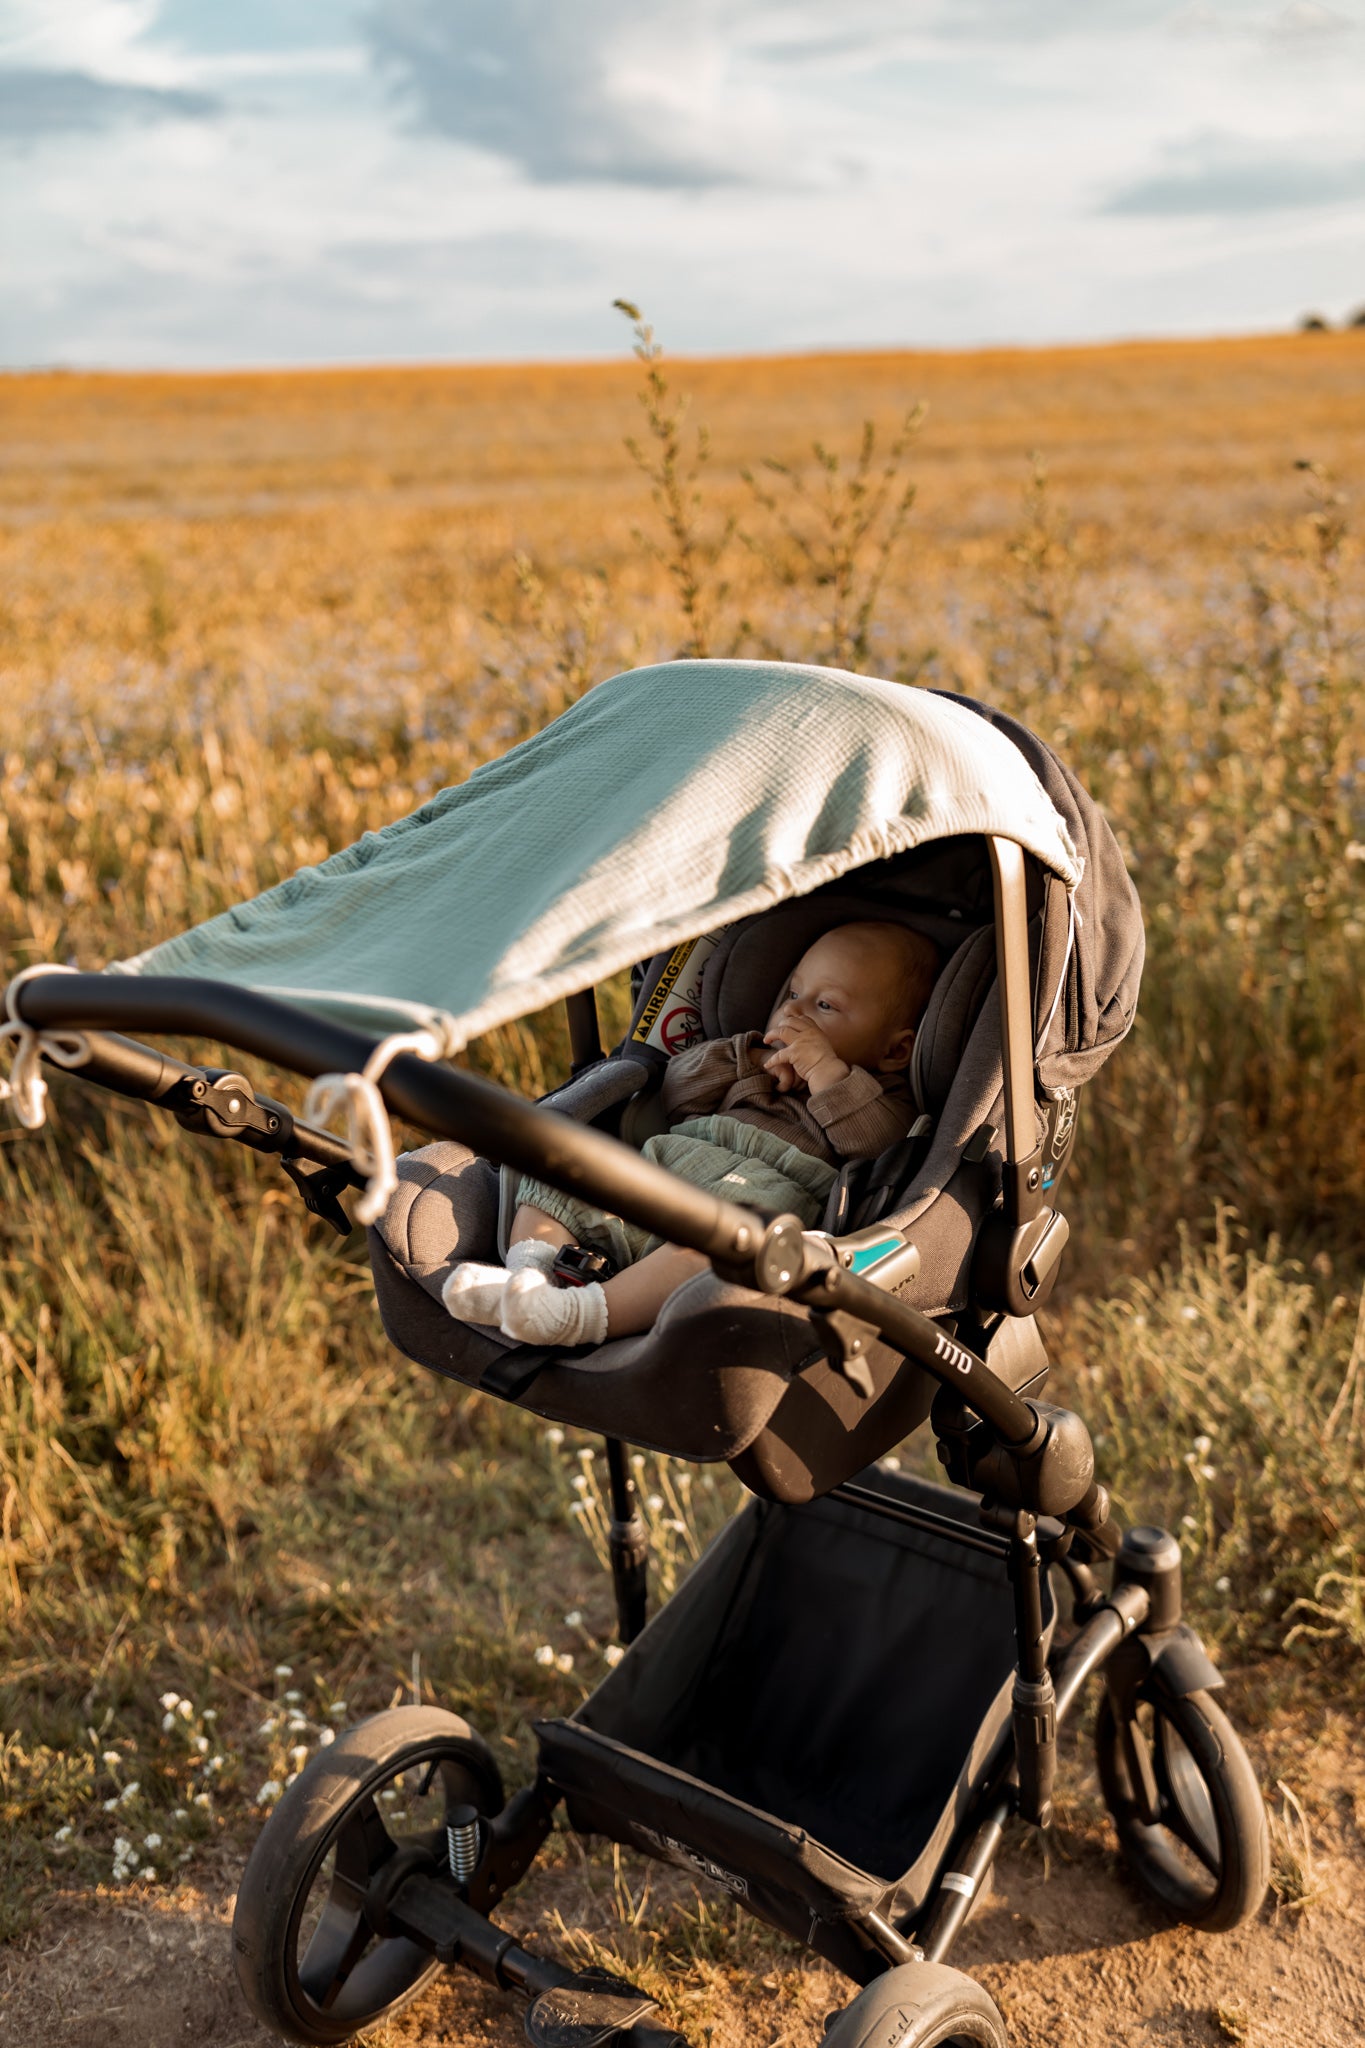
column 1072, row 1957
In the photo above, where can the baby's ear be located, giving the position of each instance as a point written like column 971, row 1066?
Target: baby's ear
column 898, row 1050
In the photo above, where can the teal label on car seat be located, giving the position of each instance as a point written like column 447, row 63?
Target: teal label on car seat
column 873, row 1254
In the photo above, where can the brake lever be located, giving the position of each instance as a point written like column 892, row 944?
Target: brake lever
column 320, row 1186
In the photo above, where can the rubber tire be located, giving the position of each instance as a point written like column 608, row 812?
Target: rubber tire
column 1238, row 1810
column 294, row 1841
column 920, row 2005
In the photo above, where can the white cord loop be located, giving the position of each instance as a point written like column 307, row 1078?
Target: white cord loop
column 367, row 1121
column 26, row 1088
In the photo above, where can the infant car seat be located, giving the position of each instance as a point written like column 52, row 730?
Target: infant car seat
column 727, row 1373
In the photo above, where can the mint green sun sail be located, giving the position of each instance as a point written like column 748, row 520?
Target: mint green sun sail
column 667, row 802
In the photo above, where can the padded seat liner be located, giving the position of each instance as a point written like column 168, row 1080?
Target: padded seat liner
column 702, row 1385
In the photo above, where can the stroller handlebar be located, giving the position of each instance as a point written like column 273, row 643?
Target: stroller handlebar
column 442, row 1099
column 770, row 1254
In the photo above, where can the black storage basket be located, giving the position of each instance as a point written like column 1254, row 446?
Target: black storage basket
column 808, row 1718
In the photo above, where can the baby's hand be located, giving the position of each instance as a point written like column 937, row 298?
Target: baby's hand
column 804, row 1055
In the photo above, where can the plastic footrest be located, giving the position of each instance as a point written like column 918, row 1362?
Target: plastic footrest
column 595, row 2011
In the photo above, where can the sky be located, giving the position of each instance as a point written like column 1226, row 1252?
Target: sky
column 202, row 183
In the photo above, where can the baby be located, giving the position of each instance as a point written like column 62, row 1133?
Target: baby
column 762, row 1127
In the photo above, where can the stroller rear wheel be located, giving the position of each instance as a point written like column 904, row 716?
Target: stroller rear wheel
column 919, row 2005
column 308, row 1958
column 1190, row 1818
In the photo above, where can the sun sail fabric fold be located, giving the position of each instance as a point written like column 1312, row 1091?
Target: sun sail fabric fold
column 667, row 802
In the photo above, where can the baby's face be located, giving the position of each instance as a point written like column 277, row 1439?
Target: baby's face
column 848, row 985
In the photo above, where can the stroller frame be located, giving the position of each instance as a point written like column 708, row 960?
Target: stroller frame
column 1031, row 1464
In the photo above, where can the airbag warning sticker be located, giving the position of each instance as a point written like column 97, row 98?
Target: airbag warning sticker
column 671, row 1019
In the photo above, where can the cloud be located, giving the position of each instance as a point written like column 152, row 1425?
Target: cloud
column 1216, row 175
column 34, row 103
column 617, row 90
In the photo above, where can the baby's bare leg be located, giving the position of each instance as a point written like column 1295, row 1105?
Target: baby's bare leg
column 637, row 1293
column 534, row 1223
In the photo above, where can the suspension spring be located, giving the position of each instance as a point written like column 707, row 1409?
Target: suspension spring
column 462, row 1842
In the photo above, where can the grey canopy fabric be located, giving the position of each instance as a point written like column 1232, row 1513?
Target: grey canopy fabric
column 667, row 802
column 1092, row 941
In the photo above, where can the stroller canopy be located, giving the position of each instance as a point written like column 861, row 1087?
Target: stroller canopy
column 665, row 803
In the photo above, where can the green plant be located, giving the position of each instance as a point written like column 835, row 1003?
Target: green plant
column 693, row 555
column 836, row 534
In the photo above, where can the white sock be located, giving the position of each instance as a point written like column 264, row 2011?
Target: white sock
column 473, row 1293
column 536, row 1312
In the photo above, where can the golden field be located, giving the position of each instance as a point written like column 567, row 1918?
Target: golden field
column 245, row 618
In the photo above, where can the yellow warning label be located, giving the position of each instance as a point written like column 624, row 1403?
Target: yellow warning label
column 662, row 989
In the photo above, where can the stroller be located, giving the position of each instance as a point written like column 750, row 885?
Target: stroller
column 862, row 1680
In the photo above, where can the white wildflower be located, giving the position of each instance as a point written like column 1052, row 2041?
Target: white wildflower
column 184, row 1856
column 555, row 1437
column 564, row 1661
column 284, row 1671
column 1223, row 1585
column 655, row 1503
column 613, row 1654
column 1208, row 1471
column 130, row 1791
column 576, row 1507
column 149, row 1874
column 112, row 1758
column 215, row 1763
column 201, row 1799
column 338, row 1710
column 201, row 1743
column 170, row 1701
column 580, row 1484
column 298, row 1757
column 1203, row 1444
column 892, row 1464
column 573, row 1620
column 1189, row 1315
column 209, row 1714
column 167, row 1723
column 151, row 1841
column 109, row 1805
column 181, row 1813
column 678, row 1528
column 326, row 1737
column 291, row 1699
column 1188, row 1522
column 545, row 1655
column 271, row 1789
column 297, row 1724
column 267, row 1727
column 64, row 1834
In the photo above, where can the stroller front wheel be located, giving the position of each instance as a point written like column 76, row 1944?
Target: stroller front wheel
column 919, row 2005
column 308, row 1960
column 1190, row 1818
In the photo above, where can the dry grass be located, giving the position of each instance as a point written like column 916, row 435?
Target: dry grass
column 244, row 619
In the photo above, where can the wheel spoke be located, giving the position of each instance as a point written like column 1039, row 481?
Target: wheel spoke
column 1186, row 1808
column 339, row 1940
column 363, row 1846
column 1137, row 1760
